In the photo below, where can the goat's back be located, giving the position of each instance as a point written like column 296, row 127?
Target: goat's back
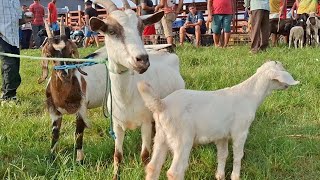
column 94, row 84
column 210, row 115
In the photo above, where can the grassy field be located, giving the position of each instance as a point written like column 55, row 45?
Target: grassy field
column 283, row 144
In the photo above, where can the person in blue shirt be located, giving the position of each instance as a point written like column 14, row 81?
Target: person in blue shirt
column 194, row 25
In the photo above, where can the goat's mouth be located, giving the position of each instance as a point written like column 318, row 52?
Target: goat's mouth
column 141, row 64
column 141, row 70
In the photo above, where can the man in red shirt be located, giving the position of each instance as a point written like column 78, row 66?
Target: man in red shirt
column 53, row 16
column 222, row 11
column 37, row 24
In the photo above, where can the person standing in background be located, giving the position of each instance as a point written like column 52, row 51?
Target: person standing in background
column 53, row 17
column 88, row 13
column 37, row 24
column 170, row 14
column 149, row 31
column 260, row 31
column 26, row 30
column 222, row 11
column 278, row 10
column 306, row 7
column 10, row 19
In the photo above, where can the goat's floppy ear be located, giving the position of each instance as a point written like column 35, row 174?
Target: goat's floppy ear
column 283, row 77
column 153, row 18
column 97, row 24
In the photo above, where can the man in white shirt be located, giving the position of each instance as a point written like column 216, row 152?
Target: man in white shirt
column 10, row 18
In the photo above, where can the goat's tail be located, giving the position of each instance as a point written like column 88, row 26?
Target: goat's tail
column 151, row 100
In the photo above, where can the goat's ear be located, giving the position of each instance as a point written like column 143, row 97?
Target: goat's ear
column 97, row 24
column 283, row 77
column 153, row 18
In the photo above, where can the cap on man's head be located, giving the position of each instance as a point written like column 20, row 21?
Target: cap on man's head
column 88, row 2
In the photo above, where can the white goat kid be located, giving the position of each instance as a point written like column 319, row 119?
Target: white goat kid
column 188, row 117
column 127, row 56
column 296, row 34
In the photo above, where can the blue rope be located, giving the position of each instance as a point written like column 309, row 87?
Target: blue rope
column 73, row 66
column 108, row 90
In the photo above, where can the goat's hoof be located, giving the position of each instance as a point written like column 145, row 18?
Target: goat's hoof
column 145, row 157
column 220, row 176
column 235, row 177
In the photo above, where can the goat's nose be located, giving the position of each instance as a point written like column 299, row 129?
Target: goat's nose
column 143, row 58
column 142, row 63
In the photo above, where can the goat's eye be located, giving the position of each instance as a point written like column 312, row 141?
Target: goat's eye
column 111, row 32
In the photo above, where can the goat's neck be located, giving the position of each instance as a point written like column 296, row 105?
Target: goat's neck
column 122, row 86
column 255, row 89
column 60, row 85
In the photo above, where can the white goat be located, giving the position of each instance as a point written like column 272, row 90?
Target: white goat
column 188, row 117
column 127, row 56
column 313, row 25
column 296, row 34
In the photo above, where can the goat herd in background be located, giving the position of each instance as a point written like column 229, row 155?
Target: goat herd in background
column 300, row 32
column 147, row 87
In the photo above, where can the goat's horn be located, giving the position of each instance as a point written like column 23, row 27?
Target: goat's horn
column 62, row 29
column 49, row 33
column 108, row 4
column 126, row 4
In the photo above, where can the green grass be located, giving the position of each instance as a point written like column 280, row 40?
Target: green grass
column 284, row 139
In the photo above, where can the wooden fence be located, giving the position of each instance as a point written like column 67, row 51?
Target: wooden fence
column 75, row 19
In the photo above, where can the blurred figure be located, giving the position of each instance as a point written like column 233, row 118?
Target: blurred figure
column 149, row 30
column 278, row 10
column 293, row 10
column 260, row 31
column 37, row 24
column 194, row 25
column 10, row 19
column 168, row 6
column 53, row 17
column 88, row 13
column 26, row 29
column 222, row 11
column 306, row 7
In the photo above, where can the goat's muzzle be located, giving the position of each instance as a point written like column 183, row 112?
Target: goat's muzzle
column 312, row 20
column 142, row 63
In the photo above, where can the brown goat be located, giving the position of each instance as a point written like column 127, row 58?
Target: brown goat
column 70, row 91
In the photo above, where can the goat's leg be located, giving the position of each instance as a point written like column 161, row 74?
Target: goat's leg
column 118, row 150
column 80, row 125
column 301, row 42
column 296, row 43
column 146, row 133
column 238, row 145
column 290, row 40
column 222, row 154
column 160, row 150
column 181, row 152
column 56, row 118
column 316, row 36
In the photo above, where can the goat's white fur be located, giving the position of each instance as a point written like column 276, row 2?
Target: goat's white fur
column 296, row 34
column 129, row 111
column 315, row 28
column 188, row 117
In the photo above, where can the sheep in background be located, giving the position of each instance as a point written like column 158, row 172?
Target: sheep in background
column 296, row 34
column 189, row 117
